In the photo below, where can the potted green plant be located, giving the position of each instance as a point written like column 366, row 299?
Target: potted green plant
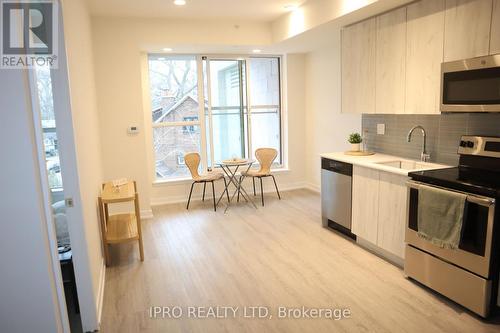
column 355, row 141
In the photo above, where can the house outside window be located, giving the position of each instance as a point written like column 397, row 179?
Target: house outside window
column 180, row 160
column 189, row 128
column 174, row 97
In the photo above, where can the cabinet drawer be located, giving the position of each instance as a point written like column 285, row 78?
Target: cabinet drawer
column 457, row 284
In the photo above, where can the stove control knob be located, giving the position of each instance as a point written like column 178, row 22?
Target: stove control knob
column 463, row 144
column 470, row 144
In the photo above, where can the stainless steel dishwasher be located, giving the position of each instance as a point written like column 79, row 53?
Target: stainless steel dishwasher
column 336, row 195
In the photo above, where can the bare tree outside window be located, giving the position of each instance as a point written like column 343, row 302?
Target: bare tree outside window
column 174, row 98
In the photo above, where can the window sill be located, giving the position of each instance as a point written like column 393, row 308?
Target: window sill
column 188, row 180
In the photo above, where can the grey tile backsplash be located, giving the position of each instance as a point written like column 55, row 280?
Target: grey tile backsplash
column 443, row 133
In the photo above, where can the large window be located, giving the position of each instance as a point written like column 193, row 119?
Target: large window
column 265, row 103
column 175, row 109
column 201, row 104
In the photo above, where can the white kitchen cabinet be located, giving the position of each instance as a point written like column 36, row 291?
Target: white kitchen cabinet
column 365, row 203
column 358, row 67
column 495, row 28
column 391, row 62
column 379, row 210
column 467, row 29
column 392, row 213
column 424, row 55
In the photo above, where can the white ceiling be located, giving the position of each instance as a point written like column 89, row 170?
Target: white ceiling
column 262, row 10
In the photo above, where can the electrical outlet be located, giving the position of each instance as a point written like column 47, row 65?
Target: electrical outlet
column 381, row 129
column 68, row 202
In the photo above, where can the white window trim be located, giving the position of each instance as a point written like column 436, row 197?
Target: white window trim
column 177, row 123
column 283, row 167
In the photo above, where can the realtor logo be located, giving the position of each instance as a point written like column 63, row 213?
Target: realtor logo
column 29, row 33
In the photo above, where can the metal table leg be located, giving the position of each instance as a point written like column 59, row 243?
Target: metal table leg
column 241, row 189
column 226, row 188
column 237, row 183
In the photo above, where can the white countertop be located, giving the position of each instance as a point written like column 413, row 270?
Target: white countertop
column 372, row 161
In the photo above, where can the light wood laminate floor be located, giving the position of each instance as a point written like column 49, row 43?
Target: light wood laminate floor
column 278, row 255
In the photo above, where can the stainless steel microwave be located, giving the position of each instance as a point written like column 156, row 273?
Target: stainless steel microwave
column 471, row 85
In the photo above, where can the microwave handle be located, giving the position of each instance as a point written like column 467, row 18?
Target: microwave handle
column 483, row 201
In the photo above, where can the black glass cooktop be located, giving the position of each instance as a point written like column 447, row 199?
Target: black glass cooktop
column 467, row 179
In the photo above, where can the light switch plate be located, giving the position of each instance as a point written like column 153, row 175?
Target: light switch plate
column 133, row 130
column 381, row 129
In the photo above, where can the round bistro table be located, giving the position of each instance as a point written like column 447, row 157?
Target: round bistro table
column 230, row 168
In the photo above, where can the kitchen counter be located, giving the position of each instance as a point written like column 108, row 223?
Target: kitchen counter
column 374, row 162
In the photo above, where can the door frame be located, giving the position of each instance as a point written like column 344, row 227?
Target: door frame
column 71, row 184
column 47, row 207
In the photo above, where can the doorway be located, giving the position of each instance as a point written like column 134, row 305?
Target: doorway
column 43, row 102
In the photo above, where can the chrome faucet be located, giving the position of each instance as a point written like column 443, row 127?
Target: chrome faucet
column 424, row 156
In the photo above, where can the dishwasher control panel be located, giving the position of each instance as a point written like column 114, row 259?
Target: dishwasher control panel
column 336, row 166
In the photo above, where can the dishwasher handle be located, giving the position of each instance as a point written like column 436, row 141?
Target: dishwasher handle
column 336, row 166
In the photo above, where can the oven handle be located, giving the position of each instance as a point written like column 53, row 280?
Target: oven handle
column 480, row 200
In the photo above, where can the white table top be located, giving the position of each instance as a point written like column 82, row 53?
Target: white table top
column 235, row 162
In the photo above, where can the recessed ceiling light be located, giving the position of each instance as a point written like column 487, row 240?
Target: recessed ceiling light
column 256, row 51
column 180, row 2
column 291, row 7
column 167, row 49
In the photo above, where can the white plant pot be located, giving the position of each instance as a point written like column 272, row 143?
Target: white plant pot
column 355, row 146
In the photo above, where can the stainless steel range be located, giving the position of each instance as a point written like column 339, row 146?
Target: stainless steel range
column 469, row 273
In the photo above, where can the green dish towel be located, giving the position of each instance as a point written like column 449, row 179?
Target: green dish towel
column 440, row 216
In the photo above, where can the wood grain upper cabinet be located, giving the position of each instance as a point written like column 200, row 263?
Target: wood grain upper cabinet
column 424, row 55
column 391, row 62
column 392, row 213
column 358, row 67
column 365, row 203
column 467, row 29
column 495, row 28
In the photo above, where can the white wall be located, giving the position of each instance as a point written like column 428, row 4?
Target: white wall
column 28, row 301
column 294, row 91
column 120, row 49
column 84, row 228
column 312, row 14
column 315, row 13
column 326, row 128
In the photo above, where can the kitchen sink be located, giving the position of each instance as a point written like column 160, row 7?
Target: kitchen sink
column 408, row 165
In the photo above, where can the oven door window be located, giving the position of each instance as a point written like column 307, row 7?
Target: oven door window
column 472, row 87
column 474, row 229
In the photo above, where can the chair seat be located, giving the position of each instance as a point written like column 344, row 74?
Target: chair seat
column 254, row 173
column 209, row 176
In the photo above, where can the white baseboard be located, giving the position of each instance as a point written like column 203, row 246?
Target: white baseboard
column 146, row 214
column 313, row 187
column 174, row 199
column 100, row 295
column 197, row 196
